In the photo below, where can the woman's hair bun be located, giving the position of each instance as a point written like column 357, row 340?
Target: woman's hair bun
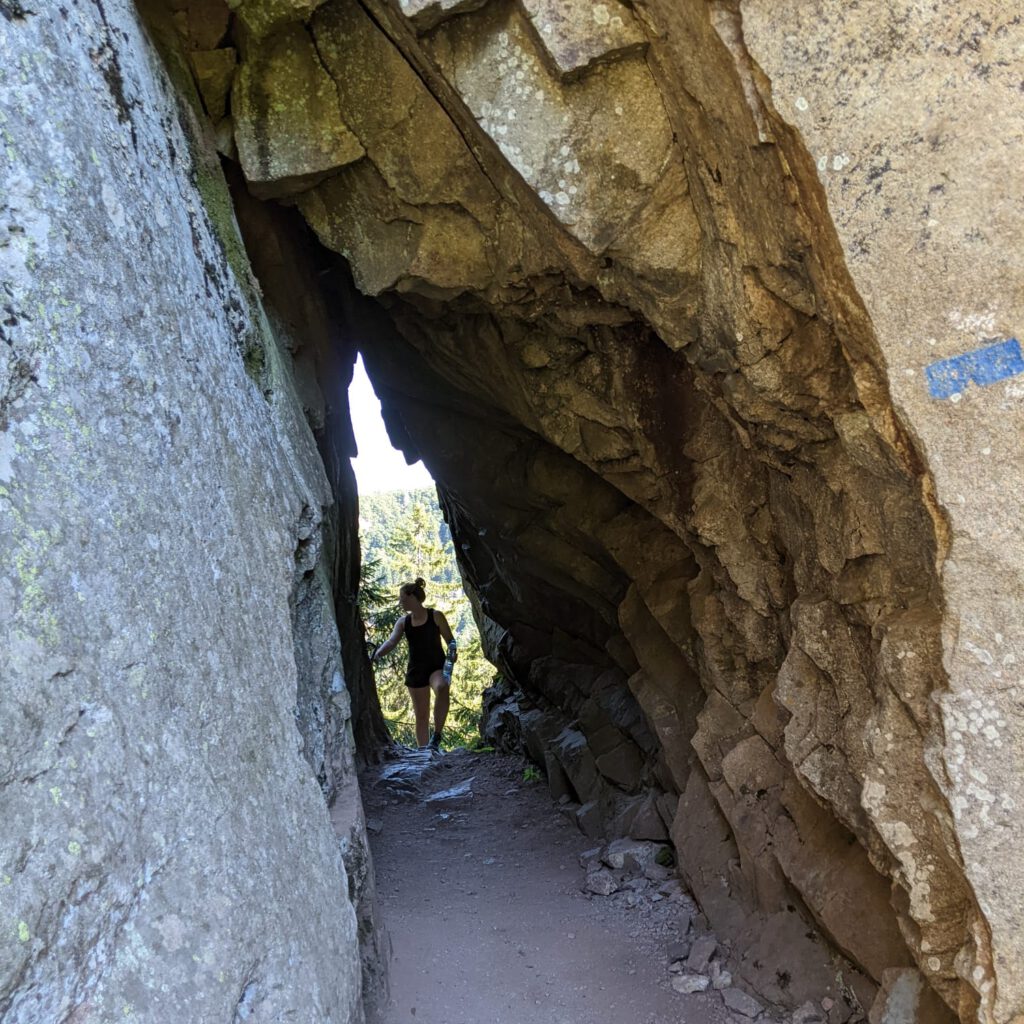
column 420, row 581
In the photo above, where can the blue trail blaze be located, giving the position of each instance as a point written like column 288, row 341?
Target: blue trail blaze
column 983, row 366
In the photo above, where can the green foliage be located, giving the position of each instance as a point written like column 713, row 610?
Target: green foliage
column 530, row 774
column 403, row 536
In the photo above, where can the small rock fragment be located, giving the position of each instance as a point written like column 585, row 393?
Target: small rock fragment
column 463, row 791
column 720, row 978
column 689, row 983
column 656, row 873
column 738, row 1000
column 601, row 882
column 374, row 825
column 809, row 1013
column 631, row 854
column 701, row 952
column 677, row 951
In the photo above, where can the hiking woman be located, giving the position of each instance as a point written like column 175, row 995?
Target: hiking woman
column 423, row 629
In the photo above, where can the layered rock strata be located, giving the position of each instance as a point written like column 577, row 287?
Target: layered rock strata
column 659, row 407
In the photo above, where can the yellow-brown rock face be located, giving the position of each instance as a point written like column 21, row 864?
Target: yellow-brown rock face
column 703, row 315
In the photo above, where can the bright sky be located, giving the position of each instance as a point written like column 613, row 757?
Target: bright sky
column 378, row 467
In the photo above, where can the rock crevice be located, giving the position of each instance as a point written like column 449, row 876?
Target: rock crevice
column 652, row 289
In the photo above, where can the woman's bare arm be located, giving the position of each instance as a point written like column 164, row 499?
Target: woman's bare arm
column 392, row 641
column 446, row 630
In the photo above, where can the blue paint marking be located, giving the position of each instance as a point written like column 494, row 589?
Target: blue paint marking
column 983, row 366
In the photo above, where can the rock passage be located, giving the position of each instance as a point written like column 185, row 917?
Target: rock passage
column 724, row 412
column 500, row 910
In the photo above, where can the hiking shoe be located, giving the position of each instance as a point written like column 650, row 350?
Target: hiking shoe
column 435, row 742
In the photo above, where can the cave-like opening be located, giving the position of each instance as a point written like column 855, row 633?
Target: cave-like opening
column 666, row 473
column 404, row 537
column 624, row 305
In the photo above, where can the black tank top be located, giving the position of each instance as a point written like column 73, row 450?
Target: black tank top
column 425, row 649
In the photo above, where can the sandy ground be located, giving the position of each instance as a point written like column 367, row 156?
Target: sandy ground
column 482, row 897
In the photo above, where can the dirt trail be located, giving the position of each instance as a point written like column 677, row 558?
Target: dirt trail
column 482, row 897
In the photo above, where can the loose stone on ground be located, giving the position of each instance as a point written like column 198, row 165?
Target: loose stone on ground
column 542, row 931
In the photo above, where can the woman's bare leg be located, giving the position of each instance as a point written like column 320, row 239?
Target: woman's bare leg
column 441, row 694
column 421, row 708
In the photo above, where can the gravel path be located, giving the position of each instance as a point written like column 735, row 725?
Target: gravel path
column 482, row 897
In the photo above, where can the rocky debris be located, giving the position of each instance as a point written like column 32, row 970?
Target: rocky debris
column 701, row 953
column 461, row 791
column 738, row 1000
column 406, row 774
column 629, row 855
column 657, row 873
column 688, row 983
column 696, row 961
column 720, row 977
column 679, row 950
column 602, row 882
column 625, row 865
column 808, row 1013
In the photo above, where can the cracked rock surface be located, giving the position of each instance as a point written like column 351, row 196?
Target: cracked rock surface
column 703, row 315
column 689, row 485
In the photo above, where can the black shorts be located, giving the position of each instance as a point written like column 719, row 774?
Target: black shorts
column 417, row 676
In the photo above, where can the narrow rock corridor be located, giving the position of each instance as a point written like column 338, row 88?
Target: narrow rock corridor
column 485, row 889
column 705, row 317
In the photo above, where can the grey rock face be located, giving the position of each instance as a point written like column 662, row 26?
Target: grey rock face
column 166, row 852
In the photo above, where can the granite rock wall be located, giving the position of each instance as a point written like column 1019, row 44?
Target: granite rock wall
column 174, row 698
column 648, row 323
column 648, row 262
